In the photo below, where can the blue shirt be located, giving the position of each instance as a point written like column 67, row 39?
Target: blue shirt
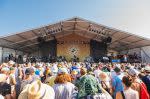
column 117, row 84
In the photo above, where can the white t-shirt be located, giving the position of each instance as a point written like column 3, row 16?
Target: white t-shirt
column 63, row 91
column 97, row 72
column 1, row 97
column 131, row 94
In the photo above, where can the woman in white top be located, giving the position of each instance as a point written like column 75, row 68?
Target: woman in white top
column 1, row 97
column 63, row 87
column 128, row 91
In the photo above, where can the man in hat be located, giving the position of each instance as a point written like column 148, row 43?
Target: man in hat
column 146, row 78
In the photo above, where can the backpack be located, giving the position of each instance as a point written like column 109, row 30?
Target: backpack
column 146, row 80
column 104, row 85
column 143, row 91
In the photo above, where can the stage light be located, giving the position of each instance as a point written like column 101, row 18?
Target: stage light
column 109, row 39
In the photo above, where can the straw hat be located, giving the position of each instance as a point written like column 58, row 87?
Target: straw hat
column 147, row 69
column 11, row 62
column 2, row 77
column 62, row 70
column 37, row 90
column 4, row 65
column 5, row 69
column 103, row 76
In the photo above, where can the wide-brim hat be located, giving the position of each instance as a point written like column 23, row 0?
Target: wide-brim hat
column 37, row 90
column 4, row 64
column 147, row 69
column 6, row 69
column 103, row 76
column 62, row 70
column 132, row 72
column 2, row 77
column 11, row 62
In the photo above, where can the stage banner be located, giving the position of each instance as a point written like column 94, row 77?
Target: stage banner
column 73, row 45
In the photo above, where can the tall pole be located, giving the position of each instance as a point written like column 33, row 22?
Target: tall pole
column 2, row 54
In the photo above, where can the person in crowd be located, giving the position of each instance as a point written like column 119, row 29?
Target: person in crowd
column 146, row 78
column 54, row 68
column 141, row 75
column 1, row 97
column 74, row 74
column 28, row 78
column 5, row 88
column 37, row 90
column 12, row 82
column 63, row 87
column 138, row 84
column 11, row 63
column 89, row 88
column 97, row 71
column 128, row 91
column 6, row 71
column 74, row 80
column 50, row 78
column 105, row 81
column 18, row 76
column 136, row 81
column 117, row 85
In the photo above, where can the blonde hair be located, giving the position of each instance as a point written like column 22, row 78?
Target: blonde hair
column 83, row 71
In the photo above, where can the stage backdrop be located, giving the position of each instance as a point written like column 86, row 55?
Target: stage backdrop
column 73, row 44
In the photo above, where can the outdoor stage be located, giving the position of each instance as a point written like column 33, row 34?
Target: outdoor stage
column 73, row 37
column 73, row 45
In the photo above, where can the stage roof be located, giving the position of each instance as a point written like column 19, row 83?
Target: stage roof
column 27, row 41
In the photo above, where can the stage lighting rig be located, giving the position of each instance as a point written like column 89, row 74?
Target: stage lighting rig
column 46, row 33
column 101, row 31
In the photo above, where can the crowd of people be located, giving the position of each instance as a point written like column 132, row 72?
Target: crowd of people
column 74, row 80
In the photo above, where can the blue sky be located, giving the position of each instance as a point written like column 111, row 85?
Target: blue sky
column 128, row 15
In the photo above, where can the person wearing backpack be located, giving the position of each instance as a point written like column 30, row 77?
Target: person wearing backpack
column 105, row 81
column 146, row 78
